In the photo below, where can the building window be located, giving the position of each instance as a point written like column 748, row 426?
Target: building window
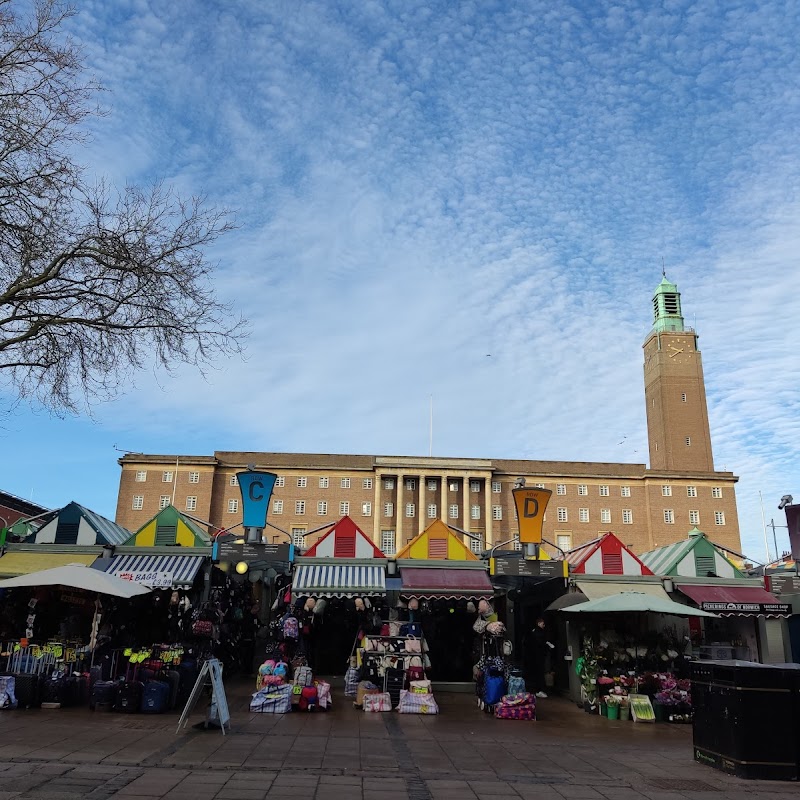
column 138, row 502
column 432, row 485
column 691, row 491
column 561, row 488
column 387, row 542
column 583, row 489
column 476, row 545
column 411, row 484
column 366, row 509
column 474, row 486
column 299, row 507
column 322, row 508
column 233, row 506
column 517, row 544
column 388, row 509
column 538, row 486
column 235, row 481
column 666, row 491
column 344, row 508
column 454, row 511
column 694, row 517
column 141, row 476
column 279, row 482
column 166, row 477
column 345, row 483
column 688, row 441
column 564, row 541
column 194, row 477
column 163, row 501
column 683, row 397
column 432, row 511
column 627, row 516
column 324, row 483
column 366, row 483
column 604, row 491
column 605, row 516
column 716, row 492
column 388, row 483
column 191, row 503
column 496, row 487
column 475, row 512
column 302, row 483
column 669, row 516
column 299, row 537
column 453, row 486
column 497, row 512
column 562, row 515
column 625, row 491
column 410, row 510
column 583, row 515
column 277, row 506
column 719, row 517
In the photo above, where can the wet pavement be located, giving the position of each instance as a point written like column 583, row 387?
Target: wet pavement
column 345, row 754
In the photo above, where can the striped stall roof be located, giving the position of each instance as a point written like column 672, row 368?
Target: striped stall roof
column 662, row 559
column 577, row 555
column 338, row 580
column 183, row 568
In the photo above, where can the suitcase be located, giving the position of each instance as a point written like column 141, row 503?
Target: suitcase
column 54, row 689
column 103, row 695
column 394, row 682
column 173, row 678
column 76, row 690
column 155, row 697
column 28, row 689
column 188, row 671
column 129, row 697
column 95, row 674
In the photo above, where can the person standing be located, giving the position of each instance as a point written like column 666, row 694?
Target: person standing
column 538, row 650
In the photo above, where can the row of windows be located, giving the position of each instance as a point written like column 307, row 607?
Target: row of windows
column 627, row 516
column 167, row 476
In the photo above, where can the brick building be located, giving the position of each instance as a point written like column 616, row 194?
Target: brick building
column 393, row 498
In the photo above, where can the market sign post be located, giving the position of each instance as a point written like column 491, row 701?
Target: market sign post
column 519, row 567
column 256, row 488
column 531, row 505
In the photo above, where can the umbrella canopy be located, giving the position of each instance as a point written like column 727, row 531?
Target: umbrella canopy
column 78, row 576
column 633, row 602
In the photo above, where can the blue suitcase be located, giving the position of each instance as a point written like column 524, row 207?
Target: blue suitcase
column 155, row 697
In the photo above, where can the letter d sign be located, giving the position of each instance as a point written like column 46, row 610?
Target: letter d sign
column 256, row 488
column 531, row 505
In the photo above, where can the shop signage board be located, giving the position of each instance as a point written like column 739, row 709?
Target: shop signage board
column 746, row 608
column 229, row 551
column 785, row 584
column 155, row 580
column 218, row 712
column 520, row 567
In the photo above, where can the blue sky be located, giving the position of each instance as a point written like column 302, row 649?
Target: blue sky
column 465, row 200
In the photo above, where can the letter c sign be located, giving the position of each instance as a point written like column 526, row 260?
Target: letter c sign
column 256, row 488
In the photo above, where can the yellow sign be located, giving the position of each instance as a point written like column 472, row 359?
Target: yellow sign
column 531, row 505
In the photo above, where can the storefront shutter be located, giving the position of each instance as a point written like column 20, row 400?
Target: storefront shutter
column 773, row 642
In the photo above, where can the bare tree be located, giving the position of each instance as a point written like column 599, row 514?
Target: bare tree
column 94, row 283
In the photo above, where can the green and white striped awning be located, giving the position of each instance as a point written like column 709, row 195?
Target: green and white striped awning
column 338, row 580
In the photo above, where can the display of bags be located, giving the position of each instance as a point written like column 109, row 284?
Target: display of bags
column 351, row 679
column 378, row 702
column 274, row 700
column 411, row 703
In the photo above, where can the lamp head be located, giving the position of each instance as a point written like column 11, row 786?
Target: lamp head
column 785, row 501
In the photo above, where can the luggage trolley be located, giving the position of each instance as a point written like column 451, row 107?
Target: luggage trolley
column 492, row 663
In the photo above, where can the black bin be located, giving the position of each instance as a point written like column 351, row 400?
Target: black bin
column 747, row 718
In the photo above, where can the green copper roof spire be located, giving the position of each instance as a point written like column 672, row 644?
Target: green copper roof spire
column 667, row 307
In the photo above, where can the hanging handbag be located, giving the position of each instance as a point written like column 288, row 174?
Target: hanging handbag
column 415, row 671
column 385, row 629
column 203, row 628
column 413, row 645
column 480, row 625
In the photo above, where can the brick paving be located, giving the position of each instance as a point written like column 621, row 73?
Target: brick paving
column 345, row 754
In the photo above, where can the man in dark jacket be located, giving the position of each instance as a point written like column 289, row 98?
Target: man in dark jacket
column 539, row 646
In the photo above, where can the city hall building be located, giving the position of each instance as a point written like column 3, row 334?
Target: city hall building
column 394, row 498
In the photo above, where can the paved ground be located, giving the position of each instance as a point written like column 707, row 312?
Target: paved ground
column 344, row 754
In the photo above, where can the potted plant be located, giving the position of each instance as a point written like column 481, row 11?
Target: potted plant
column 624, row 708
column 613, row 701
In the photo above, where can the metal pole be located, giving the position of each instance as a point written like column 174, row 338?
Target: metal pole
column 764, row 526
column 175, row 480
column 775, row 539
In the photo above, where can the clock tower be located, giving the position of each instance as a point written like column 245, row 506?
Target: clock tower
column 677, row 417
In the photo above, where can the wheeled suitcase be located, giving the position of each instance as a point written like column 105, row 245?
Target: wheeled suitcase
column 75, row 690
column 95, row 674
column 393, row 683
column 103, row 695
column 155, row 697
column 28, row 689
column 129, row 697
column 173, row 678
column 54, row 689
